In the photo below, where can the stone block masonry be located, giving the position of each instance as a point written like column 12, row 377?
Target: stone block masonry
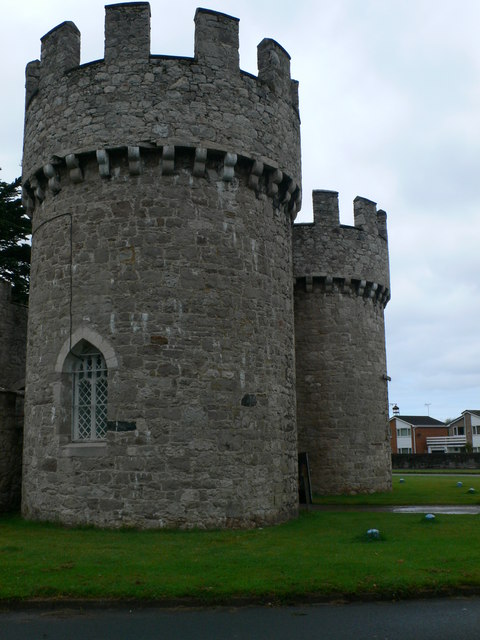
column 341, row 288
column 161, row 363
column 162, row 192
column 13, row 341
column 11, row 435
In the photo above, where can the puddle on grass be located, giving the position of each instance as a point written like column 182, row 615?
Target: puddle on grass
column 447, row 509
column 424, row 508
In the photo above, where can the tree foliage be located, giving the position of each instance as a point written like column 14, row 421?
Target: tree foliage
column 15, row 230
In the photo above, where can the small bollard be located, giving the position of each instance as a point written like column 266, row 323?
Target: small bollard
column 402, row 480
column 471, row 490
column 429, row 517
column 373, row 534
column 459, row 484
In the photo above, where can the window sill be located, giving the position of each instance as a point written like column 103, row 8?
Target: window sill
column 83, row 449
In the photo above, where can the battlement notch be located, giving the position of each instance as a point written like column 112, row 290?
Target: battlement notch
column 129, row 82
column 365, row 214
column 32, row 78
column 274, row 66
column 60, row 48
column 217, row 40
column 325, row 207
column 382, row 223
column 127, row 32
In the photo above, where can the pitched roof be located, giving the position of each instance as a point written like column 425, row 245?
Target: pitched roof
column 475, row 412
column 424, row 421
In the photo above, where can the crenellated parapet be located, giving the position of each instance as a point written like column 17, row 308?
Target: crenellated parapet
column 136, row 101
column 340, row 258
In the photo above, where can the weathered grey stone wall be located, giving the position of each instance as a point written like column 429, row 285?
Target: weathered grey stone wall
column 13, row 339
column 342, row 286
column 11, row 434
column 13, row 342
column 176, row 264
column 134, row 98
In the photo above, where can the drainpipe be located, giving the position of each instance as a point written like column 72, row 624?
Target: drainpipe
column 414, row 440
column 468, row 429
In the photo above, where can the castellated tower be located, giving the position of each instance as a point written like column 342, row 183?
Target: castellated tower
column 160, row 368
column 341, row 289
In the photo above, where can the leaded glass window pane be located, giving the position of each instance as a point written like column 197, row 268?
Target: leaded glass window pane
column 89, row 395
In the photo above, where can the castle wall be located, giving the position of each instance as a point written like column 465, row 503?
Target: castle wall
column 13, row 339
column 11, row 433
column 13, row 336
column 162, row 197
column 341, row 288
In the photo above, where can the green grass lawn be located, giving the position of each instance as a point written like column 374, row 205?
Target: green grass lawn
column 320, row 555
column 455, row 472
column 423, row 489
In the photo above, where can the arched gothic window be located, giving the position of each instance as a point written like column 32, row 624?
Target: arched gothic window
column 89, row 394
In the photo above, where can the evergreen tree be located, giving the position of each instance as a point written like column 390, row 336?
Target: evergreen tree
column 15, row 229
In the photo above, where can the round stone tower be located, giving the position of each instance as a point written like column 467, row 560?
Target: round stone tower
column 341, row 289
column 160, row 368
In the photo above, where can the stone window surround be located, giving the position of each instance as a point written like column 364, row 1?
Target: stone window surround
column 63, row 395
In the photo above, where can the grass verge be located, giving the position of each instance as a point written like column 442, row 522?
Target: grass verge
column 320, row 555
column 424, row 489
column 453, row 472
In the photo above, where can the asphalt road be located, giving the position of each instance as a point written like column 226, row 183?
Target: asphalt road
column 445, row 619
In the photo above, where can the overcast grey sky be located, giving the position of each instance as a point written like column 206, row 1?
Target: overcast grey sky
column 390, row 105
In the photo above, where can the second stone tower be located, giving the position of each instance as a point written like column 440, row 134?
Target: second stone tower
column 342, row 285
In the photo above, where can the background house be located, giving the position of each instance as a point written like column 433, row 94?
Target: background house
column 468, row 426
column 412, row 434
